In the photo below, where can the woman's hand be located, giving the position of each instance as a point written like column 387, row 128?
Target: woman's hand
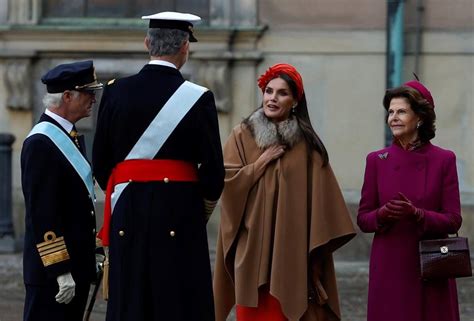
column 316, row 289
column 404, row 205
column 397, row 209
column 385, row 215
column 270, row 154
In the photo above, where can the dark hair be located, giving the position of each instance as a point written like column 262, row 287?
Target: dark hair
column 420, row 106
column 302, row 116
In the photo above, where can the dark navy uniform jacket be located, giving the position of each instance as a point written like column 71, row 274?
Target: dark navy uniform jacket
column 159, row 257
column 58, row 208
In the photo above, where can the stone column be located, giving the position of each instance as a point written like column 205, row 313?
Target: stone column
column 22, row 12
column 7, row 240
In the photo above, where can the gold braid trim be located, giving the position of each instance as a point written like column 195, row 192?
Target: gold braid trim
column 55, row 257
column 53, row 249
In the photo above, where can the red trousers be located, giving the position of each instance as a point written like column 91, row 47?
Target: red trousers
column 269, row 309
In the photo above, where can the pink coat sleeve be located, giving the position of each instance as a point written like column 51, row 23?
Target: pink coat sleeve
column 448, row 220
column 369, row 201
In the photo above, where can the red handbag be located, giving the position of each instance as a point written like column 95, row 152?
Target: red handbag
column 445, row 258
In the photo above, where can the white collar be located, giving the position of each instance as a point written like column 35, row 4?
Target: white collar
column 162, row 63
column 66, row 124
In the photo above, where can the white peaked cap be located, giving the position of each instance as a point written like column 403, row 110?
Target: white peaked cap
column 170, row 15
column 173, row 20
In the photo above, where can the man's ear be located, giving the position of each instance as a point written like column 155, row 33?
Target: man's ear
column 147, row 43
column 185, row 47
column 67, row 96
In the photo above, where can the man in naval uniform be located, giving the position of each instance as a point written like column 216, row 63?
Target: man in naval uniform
column 157, row 153
column 59, row 253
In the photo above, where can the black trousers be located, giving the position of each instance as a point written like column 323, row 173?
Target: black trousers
column 40, row 304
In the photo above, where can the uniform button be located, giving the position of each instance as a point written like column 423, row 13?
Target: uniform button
column 121, row 233
column 166, row 180
column 93, row 230
column 172, row 233
column 129, row 180
column 92, row 213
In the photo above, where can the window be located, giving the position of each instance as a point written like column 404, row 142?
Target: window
column 121, row 9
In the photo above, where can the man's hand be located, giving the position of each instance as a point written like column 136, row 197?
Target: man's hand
column 67, row 288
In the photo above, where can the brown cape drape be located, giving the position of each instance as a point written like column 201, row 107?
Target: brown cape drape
column 270, row 227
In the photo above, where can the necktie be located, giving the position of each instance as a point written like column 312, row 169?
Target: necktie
column 73, row 134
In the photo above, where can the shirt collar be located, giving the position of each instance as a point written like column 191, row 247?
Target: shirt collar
column 162, row 63
column 66, row 124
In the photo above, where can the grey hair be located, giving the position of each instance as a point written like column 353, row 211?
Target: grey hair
column 166, row 42
column 54, row 100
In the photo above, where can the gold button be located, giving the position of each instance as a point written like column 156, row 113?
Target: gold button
column 166, row 180
column 121, row 233
column 172, row 233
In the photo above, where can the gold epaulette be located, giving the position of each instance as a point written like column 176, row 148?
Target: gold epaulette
column 53, row 249
column 110, row 82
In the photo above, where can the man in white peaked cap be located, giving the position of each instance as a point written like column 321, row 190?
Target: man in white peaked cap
column 158, row 155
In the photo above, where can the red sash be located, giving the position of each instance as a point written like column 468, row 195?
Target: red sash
column 143, row 170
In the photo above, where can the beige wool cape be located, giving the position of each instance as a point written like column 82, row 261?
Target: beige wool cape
column 277, row 227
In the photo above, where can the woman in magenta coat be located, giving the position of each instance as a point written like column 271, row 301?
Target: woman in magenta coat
column 410, row 193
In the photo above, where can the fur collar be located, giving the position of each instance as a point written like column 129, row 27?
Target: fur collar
column 267, row 133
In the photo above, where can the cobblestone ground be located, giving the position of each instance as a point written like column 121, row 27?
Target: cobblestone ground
column 352, row 280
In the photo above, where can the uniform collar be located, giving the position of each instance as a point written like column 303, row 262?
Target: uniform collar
column 66, row 124
column 162, row 63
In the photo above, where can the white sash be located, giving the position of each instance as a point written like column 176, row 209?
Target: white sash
column 161, row 127
column 69, row 150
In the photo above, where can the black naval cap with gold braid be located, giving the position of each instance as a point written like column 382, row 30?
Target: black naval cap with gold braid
column 73, row 76
column 174, row 20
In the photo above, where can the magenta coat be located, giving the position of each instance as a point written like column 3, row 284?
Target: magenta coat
column 428, row 177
